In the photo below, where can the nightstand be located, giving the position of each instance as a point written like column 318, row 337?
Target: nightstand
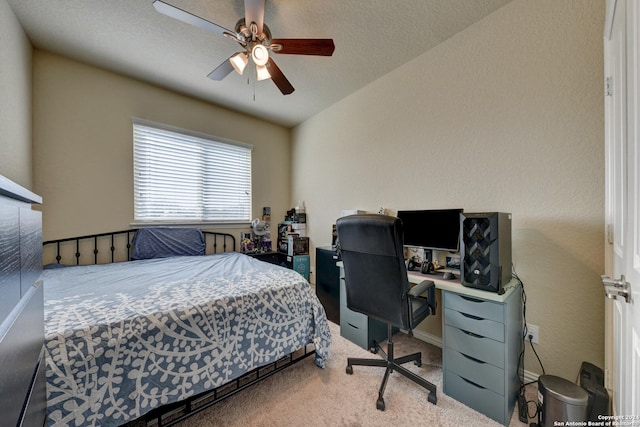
column 299, row 263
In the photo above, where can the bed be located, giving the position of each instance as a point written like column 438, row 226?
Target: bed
column 165, row 335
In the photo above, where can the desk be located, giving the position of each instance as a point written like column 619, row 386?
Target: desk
column 481, row 344
column 455, row 286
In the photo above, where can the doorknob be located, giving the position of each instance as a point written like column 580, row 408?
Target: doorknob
column 616, row 287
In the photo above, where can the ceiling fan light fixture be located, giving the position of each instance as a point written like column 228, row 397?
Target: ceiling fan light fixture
column 239, row 61
column 260, row 55
column 262, row 72
column 254, row 36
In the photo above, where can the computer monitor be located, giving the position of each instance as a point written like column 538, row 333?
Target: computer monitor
column 437, row 229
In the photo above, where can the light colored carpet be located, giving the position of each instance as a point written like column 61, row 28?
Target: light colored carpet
column 305, row 395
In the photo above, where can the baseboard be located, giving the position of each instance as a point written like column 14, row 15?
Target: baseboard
column 530, row 377
column 428, row 338
column 437, row 341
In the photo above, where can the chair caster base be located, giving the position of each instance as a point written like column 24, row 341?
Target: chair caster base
column 349, row 369
column 380, row 404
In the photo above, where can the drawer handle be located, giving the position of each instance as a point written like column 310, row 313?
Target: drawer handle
column 353, row 326
column 472, row 383
column 470, row 299
column 473, row 358
column 471, row 316
column 471, row 334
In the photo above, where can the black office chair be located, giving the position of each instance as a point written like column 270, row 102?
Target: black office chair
column 377, row 286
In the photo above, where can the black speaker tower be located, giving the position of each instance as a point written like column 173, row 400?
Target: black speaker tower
column 485, row 250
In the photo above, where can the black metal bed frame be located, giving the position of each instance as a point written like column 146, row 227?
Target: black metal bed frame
column 168, row 415
column 208, row 236
column 174, row 413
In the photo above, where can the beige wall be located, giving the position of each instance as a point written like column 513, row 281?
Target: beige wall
column 504, row 116
column 83, row 164
column 15, row 100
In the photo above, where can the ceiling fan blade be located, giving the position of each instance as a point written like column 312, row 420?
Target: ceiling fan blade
column 221, row 70
column 189, row 18
column 322, row 47
column 278, row 78
column 254, row 12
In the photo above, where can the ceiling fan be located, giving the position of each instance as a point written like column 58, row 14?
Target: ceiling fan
column 254, row 37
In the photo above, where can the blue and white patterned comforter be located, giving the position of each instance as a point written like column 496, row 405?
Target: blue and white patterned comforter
column 124, row 338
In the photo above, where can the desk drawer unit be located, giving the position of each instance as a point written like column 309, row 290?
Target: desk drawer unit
column 472, row 324
column 356, row 327
column 353, row 326
column 484, row 374
column 481, row 346
column 483, row 400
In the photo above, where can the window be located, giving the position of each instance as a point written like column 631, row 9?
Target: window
column 186, row 177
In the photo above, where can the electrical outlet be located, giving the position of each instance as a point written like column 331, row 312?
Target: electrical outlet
column 533, row 332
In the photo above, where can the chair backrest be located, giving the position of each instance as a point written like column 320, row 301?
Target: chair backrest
column 375, row 273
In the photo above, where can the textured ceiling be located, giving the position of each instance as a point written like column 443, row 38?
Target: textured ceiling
column 372, row 37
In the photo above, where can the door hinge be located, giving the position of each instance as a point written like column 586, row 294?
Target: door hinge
column 608, row 86
column 610, row 233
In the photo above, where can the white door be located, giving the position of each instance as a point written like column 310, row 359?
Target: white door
column 622, row 135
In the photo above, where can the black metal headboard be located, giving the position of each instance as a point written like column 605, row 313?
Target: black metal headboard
column 117, row 246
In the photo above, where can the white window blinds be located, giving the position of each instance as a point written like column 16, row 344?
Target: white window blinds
column 182, row 176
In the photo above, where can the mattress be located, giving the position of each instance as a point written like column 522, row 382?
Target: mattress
column 124, row 338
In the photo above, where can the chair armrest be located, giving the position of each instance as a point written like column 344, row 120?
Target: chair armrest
column 428, row 287
column 421, row 288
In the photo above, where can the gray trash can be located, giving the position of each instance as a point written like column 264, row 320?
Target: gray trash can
column 561, row 400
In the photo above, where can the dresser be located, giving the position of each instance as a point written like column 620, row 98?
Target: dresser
column 22, row 367
column 481, row 346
